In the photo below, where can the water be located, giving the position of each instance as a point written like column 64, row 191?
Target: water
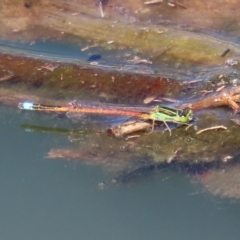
column 106, row 58
column 47, row 199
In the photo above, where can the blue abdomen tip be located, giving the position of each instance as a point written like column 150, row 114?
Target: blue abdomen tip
column 27, row 105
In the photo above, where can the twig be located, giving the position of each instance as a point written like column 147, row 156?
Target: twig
column 132, row 136
column 153, row 2
column 211, row 128
column 88, row 47
column 225, row 52
column 167, row 100
column 204, row 92
column 188, row 126
column 191, row 82
column 220, row 88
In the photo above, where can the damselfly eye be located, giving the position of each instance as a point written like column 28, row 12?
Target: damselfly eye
column 184, row 112
column 180, row 113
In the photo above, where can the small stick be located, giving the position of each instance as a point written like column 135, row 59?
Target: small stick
column 167, row 99
column 225, row 52
column 132, row 136
column 86, row 48
column 188, row 126
column 153, row 1
column 204, row 92
column 191, row 82
column 211, row 128
column 220, row 88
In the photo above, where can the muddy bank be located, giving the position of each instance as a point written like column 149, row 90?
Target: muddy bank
column 220, row 15
column 79, row 22
column 71, row 81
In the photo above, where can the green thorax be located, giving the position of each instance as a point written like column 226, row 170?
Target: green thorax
column 166, row 114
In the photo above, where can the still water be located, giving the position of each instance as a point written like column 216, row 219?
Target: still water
column 50, row 199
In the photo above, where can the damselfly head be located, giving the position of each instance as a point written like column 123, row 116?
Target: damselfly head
column 186, row 112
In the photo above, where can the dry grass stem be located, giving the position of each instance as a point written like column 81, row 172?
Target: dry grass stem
column 153, row 2
column 211, row 128
column 220, row 88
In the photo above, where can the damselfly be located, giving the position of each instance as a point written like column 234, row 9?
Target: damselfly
column 158, row 113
